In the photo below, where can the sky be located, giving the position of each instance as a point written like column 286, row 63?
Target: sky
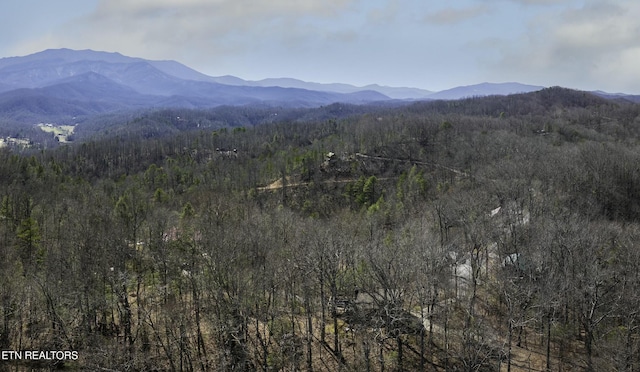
column 428, row 44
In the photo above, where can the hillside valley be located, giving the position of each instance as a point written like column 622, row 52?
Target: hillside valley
column 99, row 93
column 481, row 234
column 65, row 86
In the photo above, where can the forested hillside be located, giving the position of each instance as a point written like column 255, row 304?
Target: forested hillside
column 497, row 233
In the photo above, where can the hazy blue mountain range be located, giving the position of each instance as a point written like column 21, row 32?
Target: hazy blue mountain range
column 168, row 78
column 85, row 82
column 485, row 89
column 93, row 82
column 391, row 92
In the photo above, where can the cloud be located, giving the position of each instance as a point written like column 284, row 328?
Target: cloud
column 228, row 8
column 575, row 43
column 542, row 2
column 157, row 28
column 456, row 15
column 386, row 13
column 600, row 26
column 589, row 47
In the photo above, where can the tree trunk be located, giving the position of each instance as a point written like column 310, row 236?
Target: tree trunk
column 308, row 310
column 323, row 315
column 549, row 341
column 367, row 357
column 400, row 356
column 509, row 341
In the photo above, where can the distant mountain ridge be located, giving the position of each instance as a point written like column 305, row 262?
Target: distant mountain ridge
column 161, row 77
column 391, row 92
column 44, row 68
column 85, row 82
column 89, row 82
column 485, row 89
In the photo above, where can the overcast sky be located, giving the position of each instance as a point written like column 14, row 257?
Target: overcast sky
column 427, row 44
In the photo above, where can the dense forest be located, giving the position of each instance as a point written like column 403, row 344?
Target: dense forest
column 496, row 233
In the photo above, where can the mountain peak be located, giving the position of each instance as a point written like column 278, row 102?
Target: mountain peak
column 72, row 55
column 110, row 78
column 485, row 89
